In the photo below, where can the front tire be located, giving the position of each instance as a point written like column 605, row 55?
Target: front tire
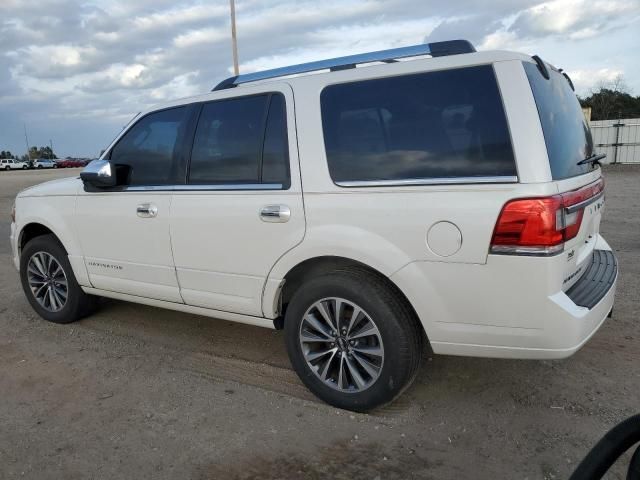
column 49, row 283
column 352, row 340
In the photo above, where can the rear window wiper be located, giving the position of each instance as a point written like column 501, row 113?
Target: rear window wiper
column 595, row 158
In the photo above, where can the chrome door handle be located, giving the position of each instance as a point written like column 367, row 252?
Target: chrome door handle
column 275, row 213
column 147, row 210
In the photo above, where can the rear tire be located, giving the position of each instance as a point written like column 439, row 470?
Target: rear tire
column 361, row 370
column 49, row 283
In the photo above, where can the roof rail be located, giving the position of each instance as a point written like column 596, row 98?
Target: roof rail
column 436, row 49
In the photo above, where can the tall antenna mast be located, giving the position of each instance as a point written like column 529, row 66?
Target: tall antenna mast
column 234, row 41
column 26, row 139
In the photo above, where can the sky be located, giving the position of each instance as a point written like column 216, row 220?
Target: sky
column 74, row 71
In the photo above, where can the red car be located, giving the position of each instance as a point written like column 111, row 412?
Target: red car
column 71, row 163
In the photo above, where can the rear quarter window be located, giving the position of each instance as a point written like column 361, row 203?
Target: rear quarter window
column 436, row 125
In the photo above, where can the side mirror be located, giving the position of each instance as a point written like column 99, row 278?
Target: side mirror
column 98, row 173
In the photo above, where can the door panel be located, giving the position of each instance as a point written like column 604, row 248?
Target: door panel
column 125, row 232
column 224, row 240
column 123, row 251
column 223, row 251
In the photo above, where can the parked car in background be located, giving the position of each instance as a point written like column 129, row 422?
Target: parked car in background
column 449, row 204
column 11, row 164
column 71, row 163
column 44, row 163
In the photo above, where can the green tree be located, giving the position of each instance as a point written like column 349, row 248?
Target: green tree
column 612, row 100
column 42, row 152
column 46, row 152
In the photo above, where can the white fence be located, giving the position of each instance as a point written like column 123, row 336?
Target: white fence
column 619, row 139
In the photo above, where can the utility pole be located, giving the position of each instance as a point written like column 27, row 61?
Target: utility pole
column 234, row 41
column 26, row 139
column 51, row 146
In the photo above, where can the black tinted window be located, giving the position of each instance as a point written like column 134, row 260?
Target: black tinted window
column 228, row 141
column 566, row 132
column 275, row 156
column 151, row 148
column 431, row 125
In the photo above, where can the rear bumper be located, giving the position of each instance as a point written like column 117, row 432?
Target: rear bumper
column 505, row 308
column 596, row 281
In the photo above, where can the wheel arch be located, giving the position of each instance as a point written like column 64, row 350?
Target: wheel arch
column 319, row 265
column 36, row 227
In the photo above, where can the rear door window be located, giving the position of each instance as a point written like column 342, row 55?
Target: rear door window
column 566, row 132
column 228, row 140
column 437, row 125
column 241, row 141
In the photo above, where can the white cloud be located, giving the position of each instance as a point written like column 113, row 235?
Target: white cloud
column 179, row 87
column 586, row 80
column 134, row 76
column 179, row 16
column 204, row 35
column 101, row 60
column 500, row 40
column 53, row 60
column 107, row 37
column 577, row 18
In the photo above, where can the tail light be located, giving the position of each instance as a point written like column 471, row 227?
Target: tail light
column 541, row 226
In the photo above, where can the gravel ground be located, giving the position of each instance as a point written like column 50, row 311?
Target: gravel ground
column 139, row 392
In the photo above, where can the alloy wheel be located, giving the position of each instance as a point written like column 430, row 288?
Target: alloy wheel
column 341, row 344
column 47, row 281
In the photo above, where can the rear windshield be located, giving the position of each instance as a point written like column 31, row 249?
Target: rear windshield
column 566, row 131
column 437, row 125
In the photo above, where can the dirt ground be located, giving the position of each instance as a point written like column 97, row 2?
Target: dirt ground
column 139, row 392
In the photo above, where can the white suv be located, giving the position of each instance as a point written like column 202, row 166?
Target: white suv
column 44, row 163
column 372, row 206
column 10, row 164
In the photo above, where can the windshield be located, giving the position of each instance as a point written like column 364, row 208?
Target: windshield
column 566, row 131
